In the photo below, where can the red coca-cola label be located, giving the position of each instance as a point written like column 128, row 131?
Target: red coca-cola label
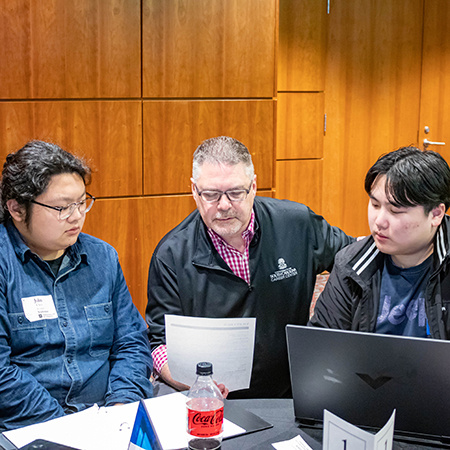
column 205, row 423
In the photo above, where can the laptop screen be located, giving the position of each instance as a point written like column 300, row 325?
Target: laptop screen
column 363, row 377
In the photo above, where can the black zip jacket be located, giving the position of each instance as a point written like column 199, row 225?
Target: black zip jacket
column 351, row 296
column 290, row 246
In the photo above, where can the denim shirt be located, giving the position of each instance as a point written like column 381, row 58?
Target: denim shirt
column 94, row 349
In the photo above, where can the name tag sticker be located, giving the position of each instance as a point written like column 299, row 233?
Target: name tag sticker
column 39, row 307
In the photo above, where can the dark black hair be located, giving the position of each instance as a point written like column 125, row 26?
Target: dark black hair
column 27, row 173
column 413, row 178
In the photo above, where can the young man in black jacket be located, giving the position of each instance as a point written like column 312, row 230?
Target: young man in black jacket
column 239, row 255
column 396, row 281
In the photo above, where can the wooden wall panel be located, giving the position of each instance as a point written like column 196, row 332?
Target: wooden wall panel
column 209, row 48
column 302, row 45
column 64, row 49
column 300, row 101
column 265, row 193
column 300, row 181
column 300, row 125
column 108, row 133
column 174, row 129
column 372, row 97
column 70, row 73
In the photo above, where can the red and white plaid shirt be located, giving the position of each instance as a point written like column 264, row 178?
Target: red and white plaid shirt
column 238, row 263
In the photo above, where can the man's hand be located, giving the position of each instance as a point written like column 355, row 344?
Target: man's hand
column 167, row 377
column 223, row 389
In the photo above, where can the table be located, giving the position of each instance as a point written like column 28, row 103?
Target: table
column 280, row 412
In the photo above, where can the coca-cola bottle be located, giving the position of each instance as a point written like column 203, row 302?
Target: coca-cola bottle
column 204, row 411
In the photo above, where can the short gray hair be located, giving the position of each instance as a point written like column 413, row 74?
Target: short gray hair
column 222, row 150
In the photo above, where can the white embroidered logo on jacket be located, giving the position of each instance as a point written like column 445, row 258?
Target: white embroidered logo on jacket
column 283, row 271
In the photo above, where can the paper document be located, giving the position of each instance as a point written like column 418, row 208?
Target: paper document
column 339, row 434
column 227, row 343
column 297, row 443
column 92, row 429
column 110, row 428
column 168, row 415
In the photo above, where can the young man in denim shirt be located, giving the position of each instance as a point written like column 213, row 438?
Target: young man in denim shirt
column 70, row 335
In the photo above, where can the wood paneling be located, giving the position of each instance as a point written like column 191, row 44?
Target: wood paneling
column 265, row 193
column 435, row 97
column 107, row 133
column 372, row 97
column 209, row 48
column 302, row 45
column 300, row 181
column 65, row 49
column 300, row 125
column 70, row 73
column 134, row 227
column 174, row 129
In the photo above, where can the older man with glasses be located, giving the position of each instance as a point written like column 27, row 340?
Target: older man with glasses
column 239, row 255
column 70, row 335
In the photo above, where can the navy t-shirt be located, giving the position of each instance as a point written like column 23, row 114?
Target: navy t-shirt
column 402, row 300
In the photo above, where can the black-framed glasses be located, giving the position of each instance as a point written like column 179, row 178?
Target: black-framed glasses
column 233, row 195
column 66, row 211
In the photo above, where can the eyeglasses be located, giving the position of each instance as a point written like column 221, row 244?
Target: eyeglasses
column 66, row 211
column 233, row 195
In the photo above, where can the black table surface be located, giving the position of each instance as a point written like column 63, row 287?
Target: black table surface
column 280, row 413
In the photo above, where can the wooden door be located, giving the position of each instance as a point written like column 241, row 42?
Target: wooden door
column 435, row 93
column 372, row 97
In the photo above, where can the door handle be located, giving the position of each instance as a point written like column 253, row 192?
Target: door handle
column 427, row 142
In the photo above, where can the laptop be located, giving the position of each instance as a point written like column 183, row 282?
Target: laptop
column 363, row 377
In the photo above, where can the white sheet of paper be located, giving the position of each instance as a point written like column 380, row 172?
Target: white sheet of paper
column 227, row 343
column 110, row 428
column 339, row 434
column 92, row 429
column 169, row 414
column 297, row 443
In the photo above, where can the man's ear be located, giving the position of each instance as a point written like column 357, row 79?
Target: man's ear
column 254, row 185
column 17, row 211
column 438, row 214
column 193, row 190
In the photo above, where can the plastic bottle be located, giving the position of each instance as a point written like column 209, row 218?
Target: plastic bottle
column 204, row 411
